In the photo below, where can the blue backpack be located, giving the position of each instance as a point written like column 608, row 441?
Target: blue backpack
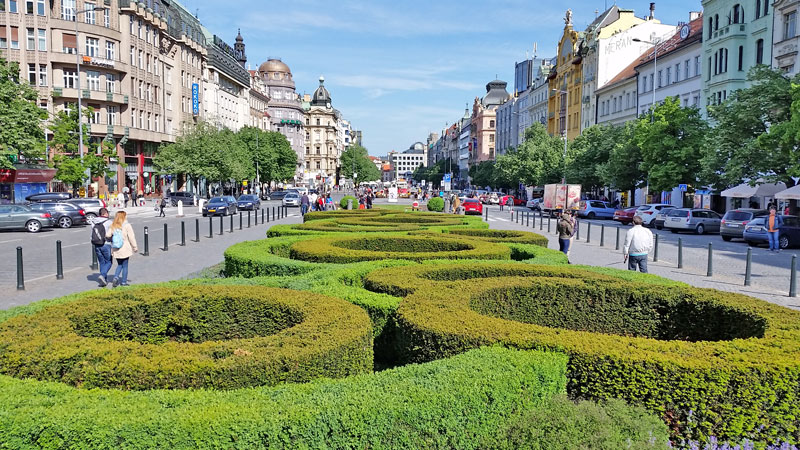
column 116, row 239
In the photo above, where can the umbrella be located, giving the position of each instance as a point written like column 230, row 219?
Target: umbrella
column 793, row 193
column 744, row 190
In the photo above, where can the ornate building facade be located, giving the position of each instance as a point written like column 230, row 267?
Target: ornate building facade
column 285, row 109
column 564, row 104
column 324, row 144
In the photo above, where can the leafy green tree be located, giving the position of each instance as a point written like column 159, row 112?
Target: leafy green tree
column 195, row 153
column 671, row 139
column 482, row 174
column 270, row 152
column 65, row 128
column 21, row 133
column 538, row 160
column 97, row 159
column 623, row 169
column 589, row 152
column 355, row 158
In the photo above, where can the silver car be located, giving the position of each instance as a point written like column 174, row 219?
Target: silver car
column 19, row 217
column 692, row 219
column 90, row 205
column 291, row 199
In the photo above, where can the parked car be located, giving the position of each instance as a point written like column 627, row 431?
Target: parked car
column 292, row 199
column 595, row 209
column 692, row 219
column 276, row 195
column 534, row 204
column 493, row 198
column 187, row 198
column 248, row 202
column 64, row 214
column 734, row 222
column 220, row 206
column 755, row 232
column 49, row 197
column 20, row 217
column 90, row 205
column 625, row 216
column 661, row 217
column 649, row 212
column 472, row 206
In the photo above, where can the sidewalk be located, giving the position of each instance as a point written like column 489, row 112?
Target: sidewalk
column 768, row 283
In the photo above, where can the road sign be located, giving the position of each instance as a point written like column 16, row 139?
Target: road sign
column 682, row 187
column 447, row 177
column 244, row 182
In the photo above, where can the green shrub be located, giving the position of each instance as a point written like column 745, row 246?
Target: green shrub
column 224, row 337
column 436, row 204
column 456, row 403
column 343, row 202
column 730, row 359
column 266, row 257
column 506, row 236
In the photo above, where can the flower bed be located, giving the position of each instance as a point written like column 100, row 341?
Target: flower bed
column 221, row 337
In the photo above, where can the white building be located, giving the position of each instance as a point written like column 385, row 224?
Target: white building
column 537, row 105
column 407, row 162
column 507, row 125
column 785, row 37
column 617, row 100
column 226, row 86
column 463, row 148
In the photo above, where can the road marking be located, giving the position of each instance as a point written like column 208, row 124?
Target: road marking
column 52, row 275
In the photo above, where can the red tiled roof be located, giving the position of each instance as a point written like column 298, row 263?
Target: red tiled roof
column 675, row 43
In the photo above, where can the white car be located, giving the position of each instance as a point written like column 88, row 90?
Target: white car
column 291, row 199
column 534, row 204
column 649, row 211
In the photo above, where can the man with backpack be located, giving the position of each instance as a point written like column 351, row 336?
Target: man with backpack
column 102, row 249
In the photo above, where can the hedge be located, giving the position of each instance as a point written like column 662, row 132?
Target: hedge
column 436, row 204
column 349, row 249
column 343, row 202
column 221, row 337
column 266, row 257
column 731, row 360
column 518, row 237
column 455, row 403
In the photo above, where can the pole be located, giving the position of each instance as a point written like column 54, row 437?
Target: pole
column 59, row 264
column 273, row 214
column 710, row 270
column 793, row 278
column 548, row 224
column 197, row 230
column 248, row 218
column 221, row 226
column 95, row 265
column 166, row 239
column 541, row 222
column 78, row 86
column 655, row 250
column 616, row 247
column 748, row 270
column 183, row 233
column 146, row 242
column 588, row 232
column 240, row 219
column 602, row 234
column 20, row 273
column 680, row 253
column 231, row 229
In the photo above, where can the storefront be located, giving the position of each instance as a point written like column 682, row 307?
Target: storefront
column 17, row 184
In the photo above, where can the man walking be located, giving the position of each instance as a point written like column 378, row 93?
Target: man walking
column 774, row 224
column 565, row 228
column 304, row 202
column 638, row 243
column 102, row 249
column 161, row 206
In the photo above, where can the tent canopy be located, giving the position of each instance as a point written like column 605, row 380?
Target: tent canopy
column 744, row 190
column 793, row 193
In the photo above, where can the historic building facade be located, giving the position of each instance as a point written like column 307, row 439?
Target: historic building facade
column 564, row 101
column 786, row 41
column 226, row 83
column 483, row 128
column 323, row 138
column 285, row 109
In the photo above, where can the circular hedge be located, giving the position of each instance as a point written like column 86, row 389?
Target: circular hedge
column 349, row 249
column 343, row 202
column 436, row 204
column 221, row 337
column 730, row 359
column 519, row 237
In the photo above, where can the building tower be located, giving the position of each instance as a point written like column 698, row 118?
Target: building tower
column 238, row 49
column 285, row 108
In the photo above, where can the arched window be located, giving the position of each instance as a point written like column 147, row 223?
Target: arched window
column 716, row 22
column 758, row 8
column 760, row 51
column 710, row 26
column 738, row 14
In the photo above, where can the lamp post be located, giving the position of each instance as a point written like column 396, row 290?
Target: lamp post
column 78, row 85
column 654, row 43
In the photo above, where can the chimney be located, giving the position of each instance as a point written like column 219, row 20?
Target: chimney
column 652, row 10
column 694, row 15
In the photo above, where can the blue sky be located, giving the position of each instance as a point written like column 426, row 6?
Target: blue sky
column 399, row 70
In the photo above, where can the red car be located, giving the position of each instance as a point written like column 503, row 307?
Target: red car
column 472, row 206
column 508, row 199
column 625, row 216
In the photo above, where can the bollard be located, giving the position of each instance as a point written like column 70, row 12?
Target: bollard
column 20, row 274
column 221, row 225
column 541, row 221
column 180, row 208
column 527, row 219
column 655, row 249
column 533, row 222
column 680, row 253
column 59, row 264
column 210, row 227
column 588, row 232
column 248, row 218
column 616, row 246
column 517, row 216
column 183, row 234
column 602, row 233
column 197, row 230
column 231, row 229
column 548, row 224
column 486, row 210
column 793, row 278
column 240, row 219
column 577, row 231
column 273, row 214
column 146, row 242
column 262, row 217
column 748, row 266
column 710, row 270
column 166, row 239
column 95, row 265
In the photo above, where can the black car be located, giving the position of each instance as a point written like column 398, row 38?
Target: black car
column 734, row 222
column 49, row 197
column 277, row 195
column 64, row 214
column 220, row 206
column 248, row 202
column 187, row 198
column 91, row 206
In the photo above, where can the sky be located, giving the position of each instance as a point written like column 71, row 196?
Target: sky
column 400, row 70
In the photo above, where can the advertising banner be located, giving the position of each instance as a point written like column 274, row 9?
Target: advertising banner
column 195, row 99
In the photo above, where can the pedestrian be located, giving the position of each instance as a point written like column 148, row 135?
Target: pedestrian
column 127, row 197
column 123, row 246
column 304, row 203
column 312, row 201
column 368, row 201
column 575, row 225
column 456, row 204
column 564, row 229
column 161, row 206
column 774, row 224
column 102, row 248
column 321, row 203
column 329, row 205
column 786, row 210
column 638, row 243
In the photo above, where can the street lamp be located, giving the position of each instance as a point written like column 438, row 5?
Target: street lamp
column 566, row 123
column 654, row 43
column 78, row 64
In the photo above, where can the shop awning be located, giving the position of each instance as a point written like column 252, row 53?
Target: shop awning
column 744, row 190
column 793, row 193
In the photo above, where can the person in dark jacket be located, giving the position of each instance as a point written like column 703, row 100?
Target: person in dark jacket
column 161, row 206
column 304, row 203
column 565, row 228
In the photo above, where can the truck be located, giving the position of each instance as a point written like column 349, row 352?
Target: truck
column 560, row 197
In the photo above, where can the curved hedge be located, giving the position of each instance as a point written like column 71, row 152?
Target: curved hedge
column 343, row 202
column 436, row 204
column 730, row 359
column 266, row 257
column 349, row 249
column 518, row 237
column 221, row 337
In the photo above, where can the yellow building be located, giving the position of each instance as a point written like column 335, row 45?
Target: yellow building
column 564, row 108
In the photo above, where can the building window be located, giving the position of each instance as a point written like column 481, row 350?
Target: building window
column 686, row 70
column 716, row 22
column 760, row 49
column 652, row 81
column 741, row 58
column 710, row 27
column 107, row 18
column 491, row 124
column 42, row 38
column 141, row 59
column 3, row 38
column 758, row 8
column 28, row 6
column 133, row 57
column 660, row 80
column 92, row 47
column 90, row 15
column 141, row 119
column 169, row 101
column 141, row 90
column 94, row 116
column 32, row 74
column 40, row 7
column 738, row 14
column 790, row 25
column 31, row 39
column 157, row 124
column 70, row 79
column 67, row 10
column 669, row 76
column 110, row 82
column 149, row 121
column 42, row 74
column 766, row 7
column 110, row 50
column 93, row 80
column 111, row 115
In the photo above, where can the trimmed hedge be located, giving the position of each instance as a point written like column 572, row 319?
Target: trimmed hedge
column 436, row 204
column 511, row 236
column 266, row 257
column 349, row 249
column 343, row 202
column 221, row 337
column 730, row 359
column 454, row 403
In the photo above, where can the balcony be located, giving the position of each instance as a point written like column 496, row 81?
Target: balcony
column 730, row 31
column 86, row 94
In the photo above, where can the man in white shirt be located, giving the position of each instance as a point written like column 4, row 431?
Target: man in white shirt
column 638, row 243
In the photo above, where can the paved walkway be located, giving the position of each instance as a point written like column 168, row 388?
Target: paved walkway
column 768, row 283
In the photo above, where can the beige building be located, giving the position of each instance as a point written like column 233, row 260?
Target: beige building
column 258, row 100
column 785, row 38
column 483, row 127
column 324, row 145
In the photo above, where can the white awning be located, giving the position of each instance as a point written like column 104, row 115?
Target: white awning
column 744, row 190
column 793, row 193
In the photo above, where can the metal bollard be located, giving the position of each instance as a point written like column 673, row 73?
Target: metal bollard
column 517, row 216
column 602, row 233
column 221, row 226
column 527, row 219
column 710, row 270
column 616, row 247
column 197, row 230
column 273, row 214
column 577, row 232
column 166, row 239
column 20, row 274
column 248, row 218
column 486, row 211
column 240, row 219
column 588, row 232
column 541, row 221
column 655, row 249
column 748, row 270
column 183, row 233
column 210, row 227
column 533, row 222
column 262, row 217
column 548, row 224
column 59, row 264
column 94, row 265
column 793, row 278
column 231, row 229
column 680, row 253
column 146, row 242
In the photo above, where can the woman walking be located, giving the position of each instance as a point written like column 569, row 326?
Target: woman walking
column 123, row 246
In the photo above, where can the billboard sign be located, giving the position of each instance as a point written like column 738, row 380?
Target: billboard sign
column 195, row 99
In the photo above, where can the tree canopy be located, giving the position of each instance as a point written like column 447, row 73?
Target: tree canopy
column 21, row 132
column 355, row 158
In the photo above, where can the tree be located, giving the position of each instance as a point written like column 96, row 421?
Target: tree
column 482, row 174
column 97, row 161
column 623, row 169
column 671, row 139
column 355, row 160
column 538, row 160
column 67, row 160
column 588, row 154
column 196, row 153
column 21, row 133
column 270, row 152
